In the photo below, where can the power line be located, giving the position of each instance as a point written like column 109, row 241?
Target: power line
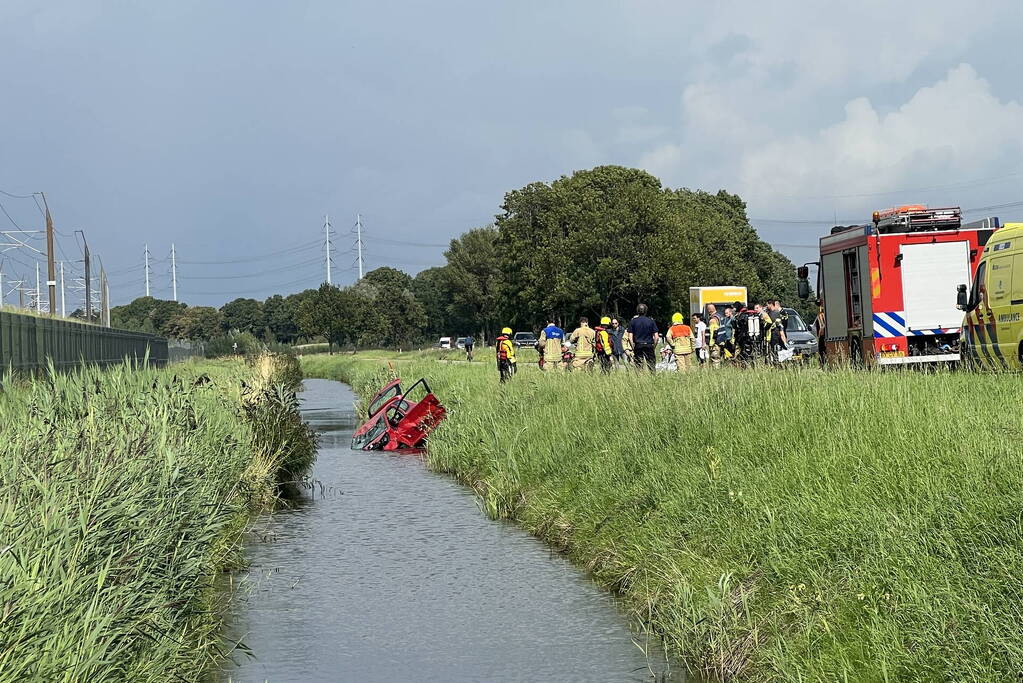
column 274, row 254
column 262, row 288
column 259, row 274
column 17, row 196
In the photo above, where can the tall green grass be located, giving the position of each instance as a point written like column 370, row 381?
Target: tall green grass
column 803, row 525
column 123, row 493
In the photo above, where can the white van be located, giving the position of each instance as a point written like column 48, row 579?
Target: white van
column 444, row 343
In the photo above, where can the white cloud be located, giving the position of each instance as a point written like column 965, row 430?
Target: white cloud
column 946, row 132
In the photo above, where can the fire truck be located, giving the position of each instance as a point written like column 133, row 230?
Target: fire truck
column 887, row 289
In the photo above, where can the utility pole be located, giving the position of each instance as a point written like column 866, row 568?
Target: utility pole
column 147, row 270
column 1, row 286
column 38, row 297
column 21, row 296
column 358, row 239
column 326, row 226
column 104, row 298
column 63, row 311
column 88, row 278
column 51, row 273
column 174, row 274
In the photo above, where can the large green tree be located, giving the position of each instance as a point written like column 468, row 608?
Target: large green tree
column 198, row 323
column 243, row 315
column 146, row 314
column 281, row 317
column 389, row 291
column 341, row 316
column 432, row 288
column 608, row 238
column 473, row 275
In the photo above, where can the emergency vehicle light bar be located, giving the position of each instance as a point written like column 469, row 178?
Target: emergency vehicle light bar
column 917, row 218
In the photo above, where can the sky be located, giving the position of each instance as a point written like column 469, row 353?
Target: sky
column 229, row 129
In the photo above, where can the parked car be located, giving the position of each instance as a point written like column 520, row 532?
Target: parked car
column 444, row 343
column 460, row 343
column 802, row 341
column 521, row 339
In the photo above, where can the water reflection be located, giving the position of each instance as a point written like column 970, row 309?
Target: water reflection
column 388, row 572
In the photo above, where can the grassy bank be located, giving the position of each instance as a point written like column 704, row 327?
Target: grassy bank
column 772, row 525
column 122, row 496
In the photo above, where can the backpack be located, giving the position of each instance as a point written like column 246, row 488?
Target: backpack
column 599, row 345
column 723, row 334
column 502, row 350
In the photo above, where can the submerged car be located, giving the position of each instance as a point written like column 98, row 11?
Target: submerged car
column 399, row 420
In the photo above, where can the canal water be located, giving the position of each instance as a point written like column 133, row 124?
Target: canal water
column 385, row 571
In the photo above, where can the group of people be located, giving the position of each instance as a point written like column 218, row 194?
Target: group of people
column 739, row 333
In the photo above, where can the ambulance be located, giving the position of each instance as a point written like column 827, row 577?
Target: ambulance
column 725, row 295
column 992, row 334
column 886, row 288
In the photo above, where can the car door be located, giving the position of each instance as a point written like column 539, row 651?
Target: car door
column 999, row 291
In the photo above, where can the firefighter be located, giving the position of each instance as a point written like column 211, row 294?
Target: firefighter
column 777, row 321
column 680, row 340
column 603, row 346
column 552, row 338
column 505, row 355
column 713, row 343
column 584, row 339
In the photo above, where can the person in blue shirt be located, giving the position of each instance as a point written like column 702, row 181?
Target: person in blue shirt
column 469, row 343
column 552, row 338
column 643, row 332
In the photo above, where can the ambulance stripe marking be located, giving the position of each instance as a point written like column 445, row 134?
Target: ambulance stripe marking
column 898, row 318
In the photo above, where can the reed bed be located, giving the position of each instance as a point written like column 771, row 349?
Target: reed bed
column 123, row 494
column 770, row 525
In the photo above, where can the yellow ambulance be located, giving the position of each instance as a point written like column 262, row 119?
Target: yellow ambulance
column 992, row 333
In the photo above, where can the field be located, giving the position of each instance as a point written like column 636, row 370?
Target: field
column 771, row 525
column 122, row 496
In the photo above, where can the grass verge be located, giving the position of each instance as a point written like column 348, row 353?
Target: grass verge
column 797, row 525
column 123, row 493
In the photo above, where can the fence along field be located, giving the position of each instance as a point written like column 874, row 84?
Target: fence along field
column 28, row 342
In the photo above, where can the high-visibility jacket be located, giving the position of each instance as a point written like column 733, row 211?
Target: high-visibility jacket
column 505, row 349
column 680, row 338
column 712, row 327
column 551, row 339
column 583, row 337
column 603, row 345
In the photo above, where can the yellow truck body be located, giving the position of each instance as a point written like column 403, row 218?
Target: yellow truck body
column 992, row 334
column 722, row 296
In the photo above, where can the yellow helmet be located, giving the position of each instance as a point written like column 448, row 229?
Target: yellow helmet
column 605, row 320
column 506, row 330
column 677, row 318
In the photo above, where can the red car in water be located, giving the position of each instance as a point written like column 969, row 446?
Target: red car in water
column 399, row 420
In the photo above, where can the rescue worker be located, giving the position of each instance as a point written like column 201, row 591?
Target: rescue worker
column 778, row 319
column 505, row 355
column 603, row 345
column 713, row 345
column 643, row 332
column 680, row 339
column 584, row 339
column 551, row 340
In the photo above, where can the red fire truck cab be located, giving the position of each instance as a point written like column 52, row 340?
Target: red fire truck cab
column 887, row 289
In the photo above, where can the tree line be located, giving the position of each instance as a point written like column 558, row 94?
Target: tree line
column 598, row 241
